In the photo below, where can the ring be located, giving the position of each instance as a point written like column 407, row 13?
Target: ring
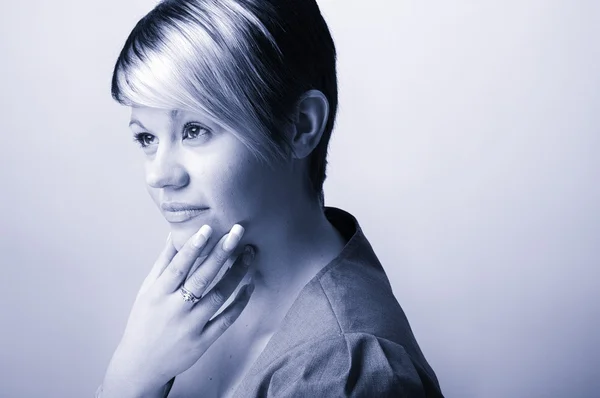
column 188, row 296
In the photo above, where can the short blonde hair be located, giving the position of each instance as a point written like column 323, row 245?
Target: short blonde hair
column 245, row 63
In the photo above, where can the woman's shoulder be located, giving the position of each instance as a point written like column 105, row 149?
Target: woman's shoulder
column 351, row 294
column 341, row 338
column 343, row 365
column 357, row 300
column 345, row 335
column 356, row 288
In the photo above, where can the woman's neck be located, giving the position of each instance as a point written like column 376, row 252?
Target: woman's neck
column 300, row 241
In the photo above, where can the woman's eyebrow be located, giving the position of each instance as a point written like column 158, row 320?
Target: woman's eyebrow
column 135, row 121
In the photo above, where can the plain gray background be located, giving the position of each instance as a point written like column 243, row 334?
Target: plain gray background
column 467, row 145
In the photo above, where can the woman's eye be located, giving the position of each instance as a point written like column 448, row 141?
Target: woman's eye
column 144, row 139
column 193, row 131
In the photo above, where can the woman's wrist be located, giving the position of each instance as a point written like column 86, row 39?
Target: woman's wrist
column 127, row 389
column 122, row 381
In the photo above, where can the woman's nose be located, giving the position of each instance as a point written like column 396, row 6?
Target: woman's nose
column 164, row 171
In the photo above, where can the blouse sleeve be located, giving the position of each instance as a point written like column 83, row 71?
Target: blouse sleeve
column 350, row 365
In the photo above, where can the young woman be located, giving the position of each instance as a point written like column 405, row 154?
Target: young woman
column 233, row 103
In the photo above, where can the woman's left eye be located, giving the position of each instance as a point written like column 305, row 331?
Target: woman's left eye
column 193, row 131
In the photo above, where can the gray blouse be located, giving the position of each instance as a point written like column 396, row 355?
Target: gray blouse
column 344, row 336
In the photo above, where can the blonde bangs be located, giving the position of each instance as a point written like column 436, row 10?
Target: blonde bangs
column 203, row 62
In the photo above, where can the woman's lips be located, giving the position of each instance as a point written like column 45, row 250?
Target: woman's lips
column 176, row 213
column 182, row 215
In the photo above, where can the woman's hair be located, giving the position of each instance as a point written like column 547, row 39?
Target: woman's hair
column 245, row 63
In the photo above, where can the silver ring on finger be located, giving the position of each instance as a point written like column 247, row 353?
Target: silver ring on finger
column 188, row 296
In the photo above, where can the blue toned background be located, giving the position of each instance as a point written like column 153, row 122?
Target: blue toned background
column 467, row 145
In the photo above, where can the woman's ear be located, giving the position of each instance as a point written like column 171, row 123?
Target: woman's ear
column 310, row 118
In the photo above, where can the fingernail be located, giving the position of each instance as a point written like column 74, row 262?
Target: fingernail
column 202, row 236
column 248, row 255
column 233, row 238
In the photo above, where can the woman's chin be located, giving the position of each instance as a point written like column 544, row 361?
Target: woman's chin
column 177, row 243
column 180, row 237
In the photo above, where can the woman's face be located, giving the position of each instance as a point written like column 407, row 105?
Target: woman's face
column 199, row 173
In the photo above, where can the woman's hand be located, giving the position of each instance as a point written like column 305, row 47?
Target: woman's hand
column 165, row 334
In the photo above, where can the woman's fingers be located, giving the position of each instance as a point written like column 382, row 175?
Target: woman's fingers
column 174, row 274
column 219, row 294
column 219, row 324
column 203, row 276
column 163, row 260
